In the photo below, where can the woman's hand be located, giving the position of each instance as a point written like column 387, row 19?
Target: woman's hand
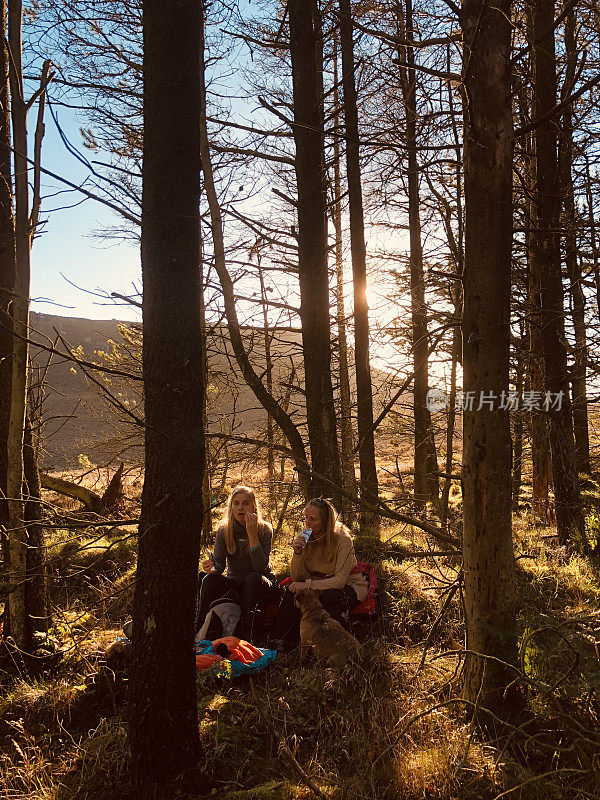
column 298, row 544
column 252, row 528
column 207, row 566
column 297, row 586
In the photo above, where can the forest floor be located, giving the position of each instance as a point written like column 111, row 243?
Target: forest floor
column 392, row 727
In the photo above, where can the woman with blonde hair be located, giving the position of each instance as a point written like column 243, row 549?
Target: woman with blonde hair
column 323, row 562
column 243, row 546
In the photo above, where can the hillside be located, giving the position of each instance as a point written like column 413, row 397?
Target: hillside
column 79, row 419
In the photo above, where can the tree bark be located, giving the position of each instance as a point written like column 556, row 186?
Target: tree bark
column 369, row 488
column 267, row 336
column 450, row 425
column 592, row 223
column 36, row 594
column 7, row 278
column 517, row 465
column 346, row 436
column 540, row 445
column 488, row 557
column 456, row 294
column 570, row 523
column 285, row 405
column 163, row 718
column 312, row 250
column 114, row 491
column 426, row 486
column 573, row 265
column 206, row 540
column 20, row 319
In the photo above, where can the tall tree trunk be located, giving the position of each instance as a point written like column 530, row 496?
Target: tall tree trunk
column 312, row 250
column 285, row 405
column 425, row 457
column 37, row 584
column 540, row 444
column 592, row 223
column 223, row 484
column 19, row 474
column 346, row 438
column 534, row 379
column 488, row 557
column 517, row 466
column 451, row 422
column 206, row 480
column 569, row 517
column 20, row 318
column 7, row 282
column 369, row 488
column 579, row 369
column 163, row 718
column 253, row 380
column 267, row 336
column 456, row 293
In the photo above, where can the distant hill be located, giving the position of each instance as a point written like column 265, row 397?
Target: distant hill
column 79, row 420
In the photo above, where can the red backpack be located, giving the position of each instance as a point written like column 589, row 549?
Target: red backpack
column 369, row 604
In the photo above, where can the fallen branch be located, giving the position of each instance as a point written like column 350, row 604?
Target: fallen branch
column 90, row 499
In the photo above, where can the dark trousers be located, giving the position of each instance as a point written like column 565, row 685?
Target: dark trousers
column 251, row 594
column 337, row 602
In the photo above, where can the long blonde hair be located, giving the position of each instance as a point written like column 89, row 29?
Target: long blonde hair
column 228, row 518
column 327, row 539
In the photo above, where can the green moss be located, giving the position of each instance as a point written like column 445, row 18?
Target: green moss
column 274, row 790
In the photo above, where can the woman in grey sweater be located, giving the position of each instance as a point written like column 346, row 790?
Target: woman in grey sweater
column 243, row 546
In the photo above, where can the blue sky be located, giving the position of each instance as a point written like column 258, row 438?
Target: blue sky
column 68, row 246
column 67, row 250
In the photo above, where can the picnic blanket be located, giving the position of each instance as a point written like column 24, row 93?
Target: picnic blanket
column 242, row 659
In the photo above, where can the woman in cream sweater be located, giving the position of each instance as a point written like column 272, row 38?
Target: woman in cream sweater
column 324, row 564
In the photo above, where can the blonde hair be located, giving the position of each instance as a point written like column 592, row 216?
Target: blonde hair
column 228, row 518
column 331, row 526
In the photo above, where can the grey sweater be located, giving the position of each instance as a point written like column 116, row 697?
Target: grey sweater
column 244, row 560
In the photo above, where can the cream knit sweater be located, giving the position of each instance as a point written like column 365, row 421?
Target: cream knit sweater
column 337, row 572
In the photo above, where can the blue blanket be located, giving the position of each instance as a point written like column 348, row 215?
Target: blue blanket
column 234, row 668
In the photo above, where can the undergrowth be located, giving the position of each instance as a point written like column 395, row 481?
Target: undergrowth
column 393, row 727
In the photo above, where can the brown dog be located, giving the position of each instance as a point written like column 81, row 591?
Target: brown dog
column 322, row 634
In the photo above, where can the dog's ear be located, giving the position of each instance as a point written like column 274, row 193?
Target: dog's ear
column 300, row 598
column 310, row 599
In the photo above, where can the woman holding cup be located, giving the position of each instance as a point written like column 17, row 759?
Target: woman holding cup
column 323, row 560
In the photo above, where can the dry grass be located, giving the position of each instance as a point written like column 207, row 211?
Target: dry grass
column 385, row 729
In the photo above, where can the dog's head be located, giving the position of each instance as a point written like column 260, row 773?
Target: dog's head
column 306, row 599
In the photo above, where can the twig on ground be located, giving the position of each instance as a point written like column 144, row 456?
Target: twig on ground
column 452, row 591
column 284, row 748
